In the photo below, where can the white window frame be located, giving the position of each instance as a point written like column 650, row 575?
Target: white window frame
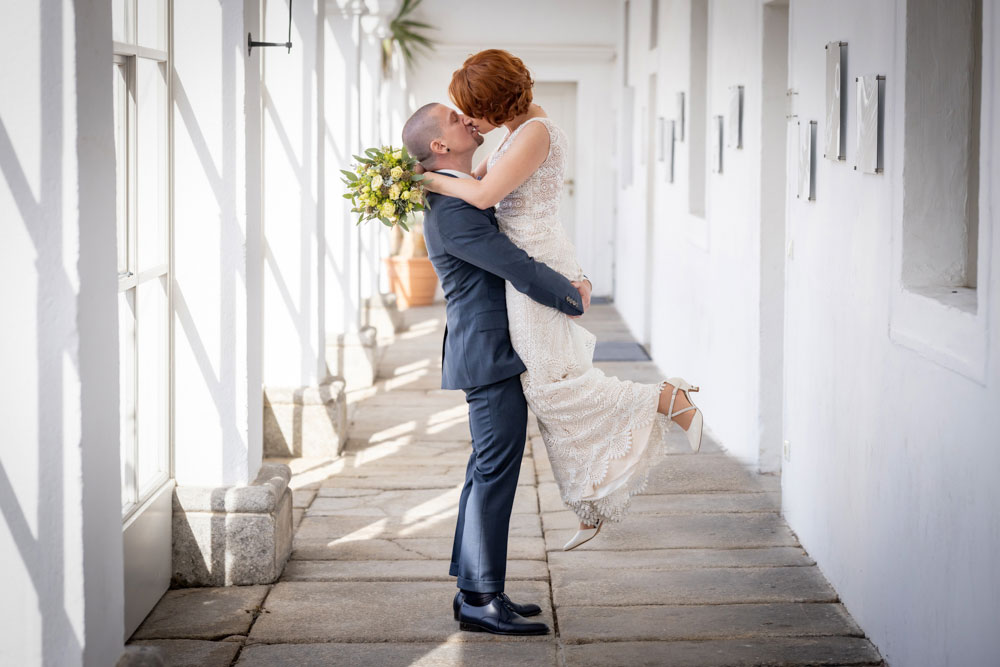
column 128, row 54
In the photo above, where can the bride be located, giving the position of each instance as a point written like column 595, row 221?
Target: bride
column 602, row 434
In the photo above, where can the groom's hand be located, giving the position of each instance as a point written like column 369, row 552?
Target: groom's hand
column 584, row 288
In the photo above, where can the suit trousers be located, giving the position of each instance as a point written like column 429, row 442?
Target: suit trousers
column 498, row 418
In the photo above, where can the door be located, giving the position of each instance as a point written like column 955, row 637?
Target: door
column 558, row 99
column 140, row 72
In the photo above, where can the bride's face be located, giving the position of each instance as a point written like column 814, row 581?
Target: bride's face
column 482, row 125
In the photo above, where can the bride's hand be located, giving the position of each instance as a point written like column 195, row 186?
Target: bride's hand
column 430, row 181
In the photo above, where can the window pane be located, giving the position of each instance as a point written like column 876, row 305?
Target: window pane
column 151, row 164
column 121, row 161
column 153, row 24
column 121, row 20
column 151, row 399
column 126, row 370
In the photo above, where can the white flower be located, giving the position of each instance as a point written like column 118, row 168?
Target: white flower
column 388, row 209
column 396, row 172
column 394, row 191
column 377, row 181
column 398, row 155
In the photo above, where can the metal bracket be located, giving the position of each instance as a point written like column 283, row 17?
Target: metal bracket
column 288, row 45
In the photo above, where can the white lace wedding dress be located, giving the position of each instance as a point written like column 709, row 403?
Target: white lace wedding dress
column 602, row 434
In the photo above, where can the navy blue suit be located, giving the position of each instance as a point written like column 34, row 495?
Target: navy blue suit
column 473, row 259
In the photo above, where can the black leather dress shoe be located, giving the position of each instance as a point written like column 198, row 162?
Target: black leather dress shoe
column 525, row 610
column 497, row 618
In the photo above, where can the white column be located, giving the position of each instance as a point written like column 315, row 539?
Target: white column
column 217, row 413
column 61, row 530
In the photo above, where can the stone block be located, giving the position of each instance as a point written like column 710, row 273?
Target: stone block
column 354, row 357
column 202, row 613
column 770, row 652
column 306, row 612
column 305, row 421
column 434, row 548
column 233, row 536
column 194, row 653
column 452, row 654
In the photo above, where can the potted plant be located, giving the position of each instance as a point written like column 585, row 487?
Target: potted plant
column 411, row 275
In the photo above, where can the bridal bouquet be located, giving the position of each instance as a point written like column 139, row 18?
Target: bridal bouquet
column 384, row 186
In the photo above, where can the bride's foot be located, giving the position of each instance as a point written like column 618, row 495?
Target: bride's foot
column 676, row 405
column 585, row 534
column 681, row 402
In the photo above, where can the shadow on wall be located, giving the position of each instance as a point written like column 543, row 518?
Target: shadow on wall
column 43, row 557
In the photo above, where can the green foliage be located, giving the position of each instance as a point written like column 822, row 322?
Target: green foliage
column 406, row 33
column 384, row 187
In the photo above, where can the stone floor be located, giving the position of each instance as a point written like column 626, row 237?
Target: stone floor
column 705, row 572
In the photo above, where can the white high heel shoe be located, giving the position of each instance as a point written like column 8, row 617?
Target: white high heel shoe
column 583, row 535
column 693, row 431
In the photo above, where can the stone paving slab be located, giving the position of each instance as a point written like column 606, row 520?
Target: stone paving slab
column 202, row 613
column 695, row 473
column 506, row 653
column 678, row 559
column 697, row 586
column 708, row 503
column 769, row 652
column 669, row 531
column 406, row 479
column 193, row 652
column 691, row 622
column 398, row 570
column 434, row 548
column 306, row 612
column 302, row 498
column 441, row 524
column 411, row 503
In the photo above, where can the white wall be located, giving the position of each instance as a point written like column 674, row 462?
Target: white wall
column 568, row 41
column 217, row 249
column 889, row 396
column 701, row 292
column 60, row 541
column 891, row 482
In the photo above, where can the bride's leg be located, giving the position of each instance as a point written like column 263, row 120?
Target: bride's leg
column 683, row 420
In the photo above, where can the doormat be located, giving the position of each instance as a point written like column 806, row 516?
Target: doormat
column 619, row 351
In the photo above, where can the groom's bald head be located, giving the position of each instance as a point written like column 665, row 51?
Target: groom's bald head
column 423, row 127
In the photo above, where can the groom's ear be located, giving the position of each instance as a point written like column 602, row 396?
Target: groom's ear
column 437, row 147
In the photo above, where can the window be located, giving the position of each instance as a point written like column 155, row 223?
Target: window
column 141, row 127
column 941, row 150
column 698, row 100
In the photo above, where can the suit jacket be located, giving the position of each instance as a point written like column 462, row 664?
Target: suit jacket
column 473, row 258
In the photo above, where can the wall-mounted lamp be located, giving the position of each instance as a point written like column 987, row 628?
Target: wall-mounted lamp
column 288, row 44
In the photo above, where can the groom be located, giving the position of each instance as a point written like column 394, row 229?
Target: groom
column 473, row 259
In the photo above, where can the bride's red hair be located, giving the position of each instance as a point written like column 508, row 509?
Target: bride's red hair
column 493, row 85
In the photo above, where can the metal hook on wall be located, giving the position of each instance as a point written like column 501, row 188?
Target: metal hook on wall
column 251, row 43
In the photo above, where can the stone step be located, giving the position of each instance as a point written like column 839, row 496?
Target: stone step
column 436, row 654
column 583, row 559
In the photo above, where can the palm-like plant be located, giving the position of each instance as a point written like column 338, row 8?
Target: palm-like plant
column 405, row 33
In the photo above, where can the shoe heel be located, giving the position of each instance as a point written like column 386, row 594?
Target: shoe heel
column 469, row 627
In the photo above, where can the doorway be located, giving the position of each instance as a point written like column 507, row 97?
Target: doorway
column 558, row 99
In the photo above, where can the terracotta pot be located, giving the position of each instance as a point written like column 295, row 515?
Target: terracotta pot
column 412, row 279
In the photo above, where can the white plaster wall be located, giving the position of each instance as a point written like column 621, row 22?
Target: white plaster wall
column 292, row 200
column 890, row 397
column 217, row 254
column 702, row 292
column 60, row 541
column 568, row 41
column 891, row 481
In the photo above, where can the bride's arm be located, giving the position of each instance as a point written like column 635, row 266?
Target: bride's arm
column 480, row 171
column 525, row 155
